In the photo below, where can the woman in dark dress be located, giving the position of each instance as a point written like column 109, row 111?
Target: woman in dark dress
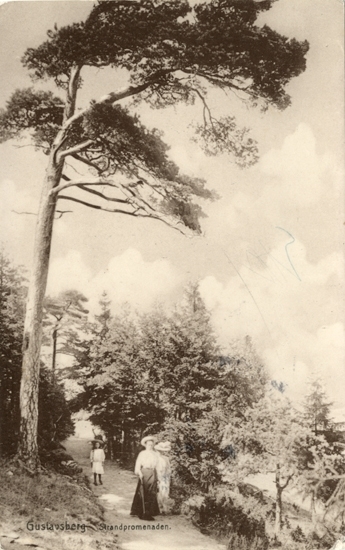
column 145, row 504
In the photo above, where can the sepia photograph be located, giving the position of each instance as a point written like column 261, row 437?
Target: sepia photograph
column 172, row 275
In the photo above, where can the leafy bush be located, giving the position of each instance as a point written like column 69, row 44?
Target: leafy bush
column 237, row 542
column 297, row 540
column 12, row 300
column 54, row 417
column 297, row 534
column 180, row 494
column 237, row 517
column 316, row 542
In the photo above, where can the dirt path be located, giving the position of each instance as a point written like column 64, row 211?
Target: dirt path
column 116, row 494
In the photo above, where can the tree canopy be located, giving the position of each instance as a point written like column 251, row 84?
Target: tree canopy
column 164, row 372
column 12, row 300
column 154, row 40
column 64, row 316
column 272, row 439
column 172, row 52
column 317, row 407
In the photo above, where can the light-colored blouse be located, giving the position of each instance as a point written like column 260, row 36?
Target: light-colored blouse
column 97, row 455
column 146, row 459
column 163, row 468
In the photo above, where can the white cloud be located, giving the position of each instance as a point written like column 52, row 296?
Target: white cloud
column 293, row 190
column 68, row 272
column 17, row 221
column 292, row 312
column 298, row 166
column 127, row 278
column 12, row 202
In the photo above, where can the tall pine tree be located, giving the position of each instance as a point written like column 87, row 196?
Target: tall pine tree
column 172, row 52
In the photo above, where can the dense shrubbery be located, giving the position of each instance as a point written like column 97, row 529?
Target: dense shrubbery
column 230, row 515
column 239, row 542
column 54, row 423
column 54, row 417
column 12, row 299
column 296, row 539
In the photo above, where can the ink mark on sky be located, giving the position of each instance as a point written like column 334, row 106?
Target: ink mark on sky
column 287, row 252
column 258, row 257
column 249, row 253
column 251, row 295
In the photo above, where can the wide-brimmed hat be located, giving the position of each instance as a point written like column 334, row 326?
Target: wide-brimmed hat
column 148, row 438
column 100, row 441
column 164, row 446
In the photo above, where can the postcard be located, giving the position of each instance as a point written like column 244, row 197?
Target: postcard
column 172, row 274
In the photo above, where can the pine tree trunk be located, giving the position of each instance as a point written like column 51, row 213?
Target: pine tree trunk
column 28, row 449
column 314, row 518
column 279, row 503
column 54, row 336
column 279, row 511
column 111, row 449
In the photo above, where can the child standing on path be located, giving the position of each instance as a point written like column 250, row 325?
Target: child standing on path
column 97, row 458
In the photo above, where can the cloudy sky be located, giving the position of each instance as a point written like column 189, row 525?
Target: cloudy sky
column 270, row 260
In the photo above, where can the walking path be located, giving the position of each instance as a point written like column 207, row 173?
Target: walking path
column 169, row 532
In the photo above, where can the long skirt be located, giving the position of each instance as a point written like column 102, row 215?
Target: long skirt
column 164, row 502
column 145, row 503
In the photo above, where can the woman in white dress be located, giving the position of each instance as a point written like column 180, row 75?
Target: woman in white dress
column 97, row 458
column 164, row 475
column 145, row 504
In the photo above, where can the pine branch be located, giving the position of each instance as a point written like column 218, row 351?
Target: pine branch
column 134, row 214
column 62, row 212
column 220, row 81
column 72, row 91
column 76, row 148
column 97, row 206
column 105, row 197
column 77, row 183
column 287, row 482
column 329, row 478
column 81, row 184
column 123, row 93
column 87, row 162
column 206, row 107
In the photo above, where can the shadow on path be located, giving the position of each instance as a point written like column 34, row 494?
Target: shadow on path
column 169, row 532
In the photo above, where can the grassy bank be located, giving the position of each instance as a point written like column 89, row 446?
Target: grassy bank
column 51, row 510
